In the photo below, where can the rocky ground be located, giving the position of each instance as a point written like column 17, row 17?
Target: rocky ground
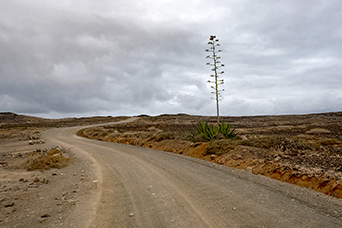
column 35, row 192
column 41, row 183
column 301, row 149
column 305, row 150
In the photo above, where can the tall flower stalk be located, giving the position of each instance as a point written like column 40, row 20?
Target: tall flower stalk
column 216, row 64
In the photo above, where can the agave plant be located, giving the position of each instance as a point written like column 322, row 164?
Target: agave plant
column 209, row 131
column 224, row 128
column 201, row 129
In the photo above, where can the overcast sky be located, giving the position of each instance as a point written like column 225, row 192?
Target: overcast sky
column 128, row 57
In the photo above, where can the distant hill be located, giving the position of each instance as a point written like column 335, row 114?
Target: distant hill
column 12, row 118
column 9, row 119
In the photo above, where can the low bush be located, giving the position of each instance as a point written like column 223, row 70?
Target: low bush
column 264, row 142
column 220, row 147
column 49, row 160
column 329, row 142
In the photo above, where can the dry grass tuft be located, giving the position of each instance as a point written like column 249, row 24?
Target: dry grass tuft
column 46, row 160
column 220, row 147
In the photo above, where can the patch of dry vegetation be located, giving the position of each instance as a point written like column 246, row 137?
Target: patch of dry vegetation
column 48, row 160
column 41, row 160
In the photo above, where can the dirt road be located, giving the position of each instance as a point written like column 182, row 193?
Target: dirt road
column 140, row 187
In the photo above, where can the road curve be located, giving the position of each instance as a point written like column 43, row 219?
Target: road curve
column 141, row 187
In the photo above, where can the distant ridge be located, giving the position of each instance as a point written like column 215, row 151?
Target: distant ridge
column 10, row 119
column 13, row 118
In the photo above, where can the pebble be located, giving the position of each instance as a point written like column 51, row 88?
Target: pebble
column 40, row 220
column 36, row 179
column 33, row 186
column 72, row 202
column 9, row 204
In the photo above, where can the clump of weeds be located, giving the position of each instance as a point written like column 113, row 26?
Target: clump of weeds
column 41, row 160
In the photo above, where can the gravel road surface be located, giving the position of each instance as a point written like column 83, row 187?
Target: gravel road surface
column 140, row 187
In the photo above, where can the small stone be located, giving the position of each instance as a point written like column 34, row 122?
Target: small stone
column 95, row 183
column 9, row 204
column 36, row 179
column 40, row 220
column 45, row 215
column 33, row 186
column 277, row 159
column 213, row 156
column 72, row 202
column 131, row 215
column 3, row 163
column 64, row 193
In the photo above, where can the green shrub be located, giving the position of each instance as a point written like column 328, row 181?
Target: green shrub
column 209, row 131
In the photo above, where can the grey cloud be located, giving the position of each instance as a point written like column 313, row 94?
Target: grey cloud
column 124, row 57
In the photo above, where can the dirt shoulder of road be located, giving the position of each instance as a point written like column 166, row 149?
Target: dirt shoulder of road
column 305, row 150
column 43, row 183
